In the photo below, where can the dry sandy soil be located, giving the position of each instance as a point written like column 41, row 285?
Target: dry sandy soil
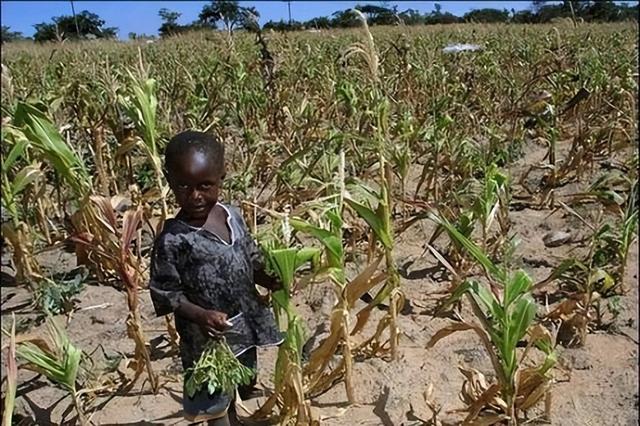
column 594, row 385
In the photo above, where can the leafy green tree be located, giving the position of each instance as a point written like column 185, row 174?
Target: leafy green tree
column 411, row 17
column 437, row 17
column 170, row 24
column 602, row 11
column 8, row 35
column 321, row 22
column 281, row 25
column 171, row 27
column 64, row 27
column 487, row 15
column 523, row 17
column 230, row 13
column 627, row 12
column 344, row 19
column 378, row 15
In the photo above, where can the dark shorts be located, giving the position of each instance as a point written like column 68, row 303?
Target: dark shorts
column 204, row 404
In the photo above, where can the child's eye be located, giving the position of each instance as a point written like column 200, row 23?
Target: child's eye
column 206, row 186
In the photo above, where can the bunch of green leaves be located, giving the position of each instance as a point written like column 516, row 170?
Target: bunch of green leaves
column 217, row 369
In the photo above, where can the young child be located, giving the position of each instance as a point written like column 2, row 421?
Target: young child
column 204, row 267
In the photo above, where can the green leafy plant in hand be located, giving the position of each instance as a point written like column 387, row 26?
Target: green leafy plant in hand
column 217, row 369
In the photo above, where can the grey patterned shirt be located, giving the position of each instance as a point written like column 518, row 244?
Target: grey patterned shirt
column 197, row 265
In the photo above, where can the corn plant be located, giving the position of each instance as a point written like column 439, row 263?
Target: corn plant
column 44, row 138
column 13, row 185
column 58, row 360
column 11, row 375
column 111, row 243
column 504, row 319
column 383, row 220
column 140, row 104
column 99, row 240
column 283, row 259
column 331, row 240
column 598, row 274
column 380, row 225
column 493, row 198
column 317, row 379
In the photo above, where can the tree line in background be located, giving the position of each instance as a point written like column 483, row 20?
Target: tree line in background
column 229, row 15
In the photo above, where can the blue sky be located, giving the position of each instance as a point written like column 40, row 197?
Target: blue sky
column 142, row 16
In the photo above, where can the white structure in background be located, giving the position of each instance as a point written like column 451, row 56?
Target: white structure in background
column 454, row 48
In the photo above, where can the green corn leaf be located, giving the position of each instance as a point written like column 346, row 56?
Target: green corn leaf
column 486, row 299
column 44, row 137
column 281, row 297
column 141, row 108
column 518, row 285
column 335, row 219
column 25, row 177
column 475, row 251
column 60, row 366
column 17, row 150
column 524, row 311
column 373, row 220
column 307, row 254
column 331, row 242
column 284, row 263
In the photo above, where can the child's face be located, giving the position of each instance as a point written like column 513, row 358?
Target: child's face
column 196, row 182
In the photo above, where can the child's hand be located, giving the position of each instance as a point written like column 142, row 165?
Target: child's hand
column 213, row 322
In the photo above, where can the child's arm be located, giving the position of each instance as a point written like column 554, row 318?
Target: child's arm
column 207, row 319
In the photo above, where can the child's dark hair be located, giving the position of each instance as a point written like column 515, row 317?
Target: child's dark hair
column 184, row 142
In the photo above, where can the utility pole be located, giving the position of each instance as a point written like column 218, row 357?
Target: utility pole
column 75, row 19
column 289, row 6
